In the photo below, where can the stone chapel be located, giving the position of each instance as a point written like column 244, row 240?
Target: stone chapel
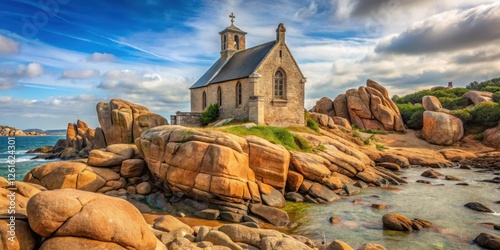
column 262, row 84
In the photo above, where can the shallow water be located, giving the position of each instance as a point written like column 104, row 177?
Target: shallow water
column 457, row 226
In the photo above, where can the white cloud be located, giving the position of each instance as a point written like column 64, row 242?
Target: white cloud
column 79, row 73
column 101, row 57
column 8, row 46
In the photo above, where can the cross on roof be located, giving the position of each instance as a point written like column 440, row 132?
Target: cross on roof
column 232, row 16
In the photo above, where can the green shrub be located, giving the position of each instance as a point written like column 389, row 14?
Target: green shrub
column 211, row 114
column 482, row 85
column 496, row 96
column 486, row 113
column 416, row 120
column 407, row 110
column 454, row 102
column 311, row 123
column 463, row 114
column 491, row 89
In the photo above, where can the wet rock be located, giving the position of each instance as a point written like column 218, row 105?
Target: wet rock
column 431, row 173
column 390, row 166
column 209, row 214
column 488, row 241
column 379, row 206
column 351, row 189
column 293, row 196
column 319, row 191
column 478, row 207
column 397, row 222
column 452, row 178
column 272, row 215
column 334, row 220
column 273, row 199
column 231, row 217
column 423, row 182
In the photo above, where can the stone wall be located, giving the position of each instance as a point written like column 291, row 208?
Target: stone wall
column 229, row 108
column 281, row 112
column 187, row 119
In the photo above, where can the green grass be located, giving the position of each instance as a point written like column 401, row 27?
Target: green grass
column 380, row 146
column 311, row 123
column 373, row 131
column 273, row 134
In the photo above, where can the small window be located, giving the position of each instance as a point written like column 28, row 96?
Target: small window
column 238, row 94
column 219, row 97
column 204, row 100
column 237, row 42
column 279, row 84
column 224, row 43
column 281, row 54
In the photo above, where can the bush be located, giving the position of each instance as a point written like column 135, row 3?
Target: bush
column 463, row 114
column 454, row 102
column 480, row 86
column 311, row 123
column 486, row 113
column 416, row 120
column 407, row 110
column 211, row 114
column 496, row 96
column 491, row 89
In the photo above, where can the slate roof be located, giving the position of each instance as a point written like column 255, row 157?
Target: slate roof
column 242, row 64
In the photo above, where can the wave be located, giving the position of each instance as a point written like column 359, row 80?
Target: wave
column 26, row 158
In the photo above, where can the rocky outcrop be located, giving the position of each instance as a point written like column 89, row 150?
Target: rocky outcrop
column 492, row 137
column 11, row 131
column 80, row 137
column 367, row 107
column 109, row 170
column 441, row 129
column 68, row 216
column 123, row 122
column 477, row 97
column 324, row 106
column 371, row 108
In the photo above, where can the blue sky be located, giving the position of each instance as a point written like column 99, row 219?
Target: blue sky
column 58, row 58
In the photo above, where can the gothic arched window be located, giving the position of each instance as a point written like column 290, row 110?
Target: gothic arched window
column 204, row 100
column 219, row 97
column 279, row 84
column 238, row 94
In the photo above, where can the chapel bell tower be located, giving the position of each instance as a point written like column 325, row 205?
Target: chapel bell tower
column 232, row 39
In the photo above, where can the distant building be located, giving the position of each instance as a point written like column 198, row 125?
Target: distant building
column 450, row 85
column 262, row 84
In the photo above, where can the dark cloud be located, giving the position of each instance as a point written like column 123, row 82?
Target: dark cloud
column 477, row 57
column 448, row 31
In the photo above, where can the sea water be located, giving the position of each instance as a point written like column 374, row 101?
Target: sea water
column 23, row 160
column 455, row 226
